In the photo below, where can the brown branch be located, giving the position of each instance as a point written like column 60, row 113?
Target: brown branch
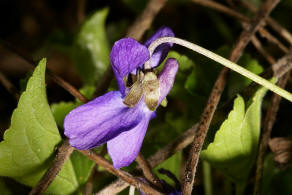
column 257, row 44
column 9, row 86
column 88, row 188
column 268, row 124
column 67, row 86
column 271, row 22
column 119, row 173
column 221, row 8
column 228, row 11
column 143, row 22
column 146, row 168
column 64, row 84
column 114, row 188
column 265, row 34
column 256, row 22
column 63, row 154
column 80, row 12
column 161, row 155
column 281, row 67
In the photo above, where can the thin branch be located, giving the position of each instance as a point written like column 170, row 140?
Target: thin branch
column 265, row 34
column 161, row 155
column 146, row 168
column 266, row 133
column 114, row 188
column 228, row 11
column 206, row 117
column 144, row 21
column 281, row 67
column 88, row 188
column 257, row 44
column 80, row 12
column 119, row 173
column 271, row 22
column 9, row 86
column 67, row 86
column 221, row 8
column 63, row 154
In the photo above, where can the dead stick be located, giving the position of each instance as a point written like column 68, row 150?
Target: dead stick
column 214, row 98
column 226, row 10
column 63, row 154
column 148, row 173
column 281, row 67
column 64, row 84
column 161, row 155
column 257, row 44
column 268, row 124
column 271, row 22
column 119, row 173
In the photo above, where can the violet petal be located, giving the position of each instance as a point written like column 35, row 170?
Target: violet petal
column 127, row 54
column 161, row 51
column 100, row 120
column 124, row 148
column 166, row 77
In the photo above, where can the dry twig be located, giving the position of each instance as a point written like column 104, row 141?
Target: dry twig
column 214, row 98
column 119, row 173
column 63, row 154
column 146, row 168
column 268, row 124
column 280, row 68
column 161, row 155
column 64, row 84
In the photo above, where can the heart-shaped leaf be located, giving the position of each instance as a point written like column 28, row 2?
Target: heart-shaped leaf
column 234, row 148
column 29, row 143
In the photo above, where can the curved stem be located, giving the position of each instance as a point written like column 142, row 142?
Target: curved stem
column 285, row 94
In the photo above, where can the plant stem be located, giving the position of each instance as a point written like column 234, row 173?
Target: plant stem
column 207, row 176
column 285, row 94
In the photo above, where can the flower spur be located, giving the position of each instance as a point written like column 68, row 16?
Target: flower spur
column 120, row 118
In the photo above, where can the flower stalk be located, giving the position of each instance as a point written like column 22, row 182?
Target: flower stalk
column 227, row 63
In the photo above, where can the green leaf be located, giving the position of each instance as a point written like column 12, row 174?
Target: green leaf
column 91, row 50
column 235, row 144
column 32, row 137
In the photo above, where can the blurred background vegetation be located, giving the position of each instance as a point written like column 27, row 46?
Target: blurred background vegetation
column 76, row 37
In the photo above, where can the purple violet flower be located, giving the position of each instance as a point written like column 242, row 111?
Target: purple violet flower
column 120, row 118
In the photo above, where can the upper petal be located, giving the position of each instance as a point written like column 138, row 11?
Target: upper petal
column 100, row 120
column 124, row 148
column 161, row 51
column 166, row 77
column 127, row 54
